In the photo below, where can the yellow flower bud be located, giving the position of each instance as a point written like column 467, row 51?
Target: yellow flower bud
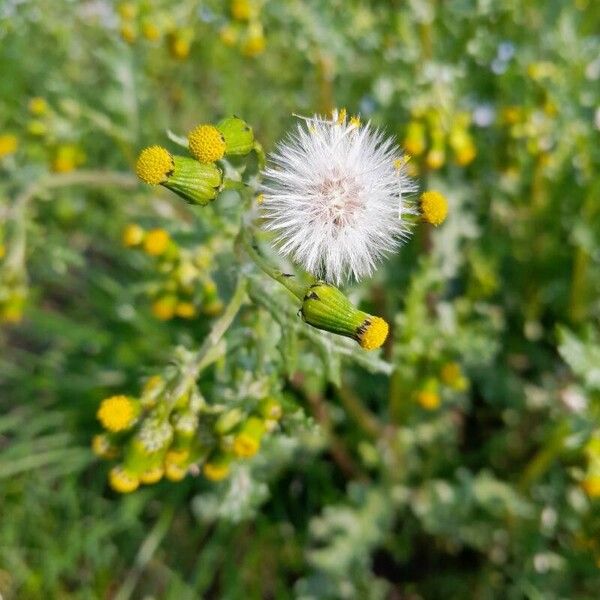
column 325, row 307
column 8, row 144
column 434, row 207
column 132, row 235
column 164, row 308
column 123, row 481
column 117, row 413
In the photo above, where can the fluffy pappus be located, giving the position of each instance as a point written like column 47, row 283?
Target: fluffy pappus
column 335, row 197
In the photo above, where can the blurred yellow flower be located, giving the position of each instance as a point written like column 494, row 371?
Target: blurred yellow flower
column 156, row 242
column 8, row 144
column 164, row 308
column 38, row 106
column 434, row 207
column 429, row 400
column 122, row 481
column 132, row 235
column 117, row 413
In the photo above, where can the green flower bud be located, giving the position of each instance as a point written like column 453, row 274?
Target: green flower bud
column 228, row 420
column 246, row 442
column 195, row 182
column 239, row 137
column 326, row 308
column 270, row 409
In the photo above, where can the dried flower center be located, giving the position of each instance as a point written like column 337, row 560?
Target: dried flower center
column 340, row 199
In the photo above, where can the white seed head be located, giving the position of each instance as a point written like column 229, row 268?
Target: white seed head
column 335, row 197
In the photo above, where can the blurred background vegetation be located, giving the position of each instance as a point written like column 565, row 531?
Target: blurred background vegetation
column 470, row 470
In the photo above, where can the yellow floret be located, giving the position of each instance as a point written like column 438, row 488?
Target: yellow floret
column 373, row 333
column 156, row 242
column 154, row 165
column 122, row 481
column 150, row 31
column 241, row 10
column 151, row 476
column 177, row 457
column 434, row 207
column 591, row 486
column 185, row 310
column 164, row 308
column 206, row 143
column 132, row 235
column 175, row 472
column 215, row 472
column 428, row 400
column 435, row 159
column 37, row 106
column 117, row 413
column 8, row 144
column 245, row 446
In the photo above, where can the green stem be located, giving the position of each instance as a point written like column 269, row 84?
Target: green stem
column 204, row 356
column 285, row 279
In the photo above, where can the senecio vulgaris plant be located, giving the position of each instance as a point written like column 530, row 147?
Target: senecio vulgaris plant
column 333, row 199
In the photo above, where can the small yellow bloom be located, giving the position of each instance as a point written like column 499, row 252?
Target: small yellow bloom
column 156, row 242
column 66, row 158
column 341, row 116
column 591, row 486
column 8, row 144
column 177, row 457
column 466, row 154
column 373, row 333
column 245, row 445
column 132, row 235
column 428, row 399
column 206, row 143
column 452, row 375
column 154, row 165
column 355, row 121
column 228, row 35
column 164, row 308
column 414, row 142
column 38, row 106
column 117, row 413
column 122, row 481
column 435, row 159
column 153, row 475
column 434, row 207
column 241, row 10
column 150, row 31
column 215, row 471
column 175, row 472
column 127, row 10
column 185, row 310
column 128, row 33
column 254, row 45
column 180, row 44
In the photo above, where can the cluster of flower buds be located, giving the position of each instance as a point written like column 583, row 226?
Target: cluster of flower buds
column 244, row 31
column 429, row 132
column 156, row 435
column 153, row 26
column 185, row 286
column 197, row 180
column 45, row 139
column 451, row 376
